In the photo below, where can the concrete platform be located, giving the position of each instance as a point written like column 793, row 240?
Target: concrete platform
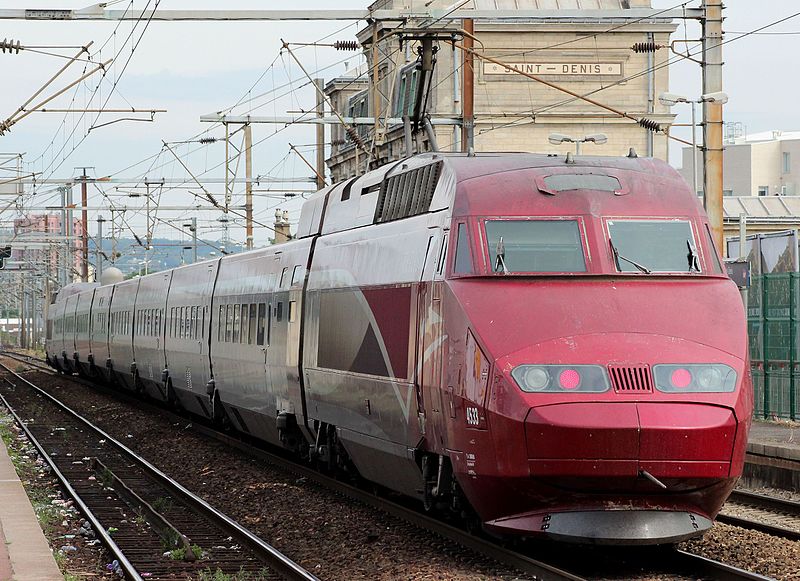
column 24, row 552
column 773, row 455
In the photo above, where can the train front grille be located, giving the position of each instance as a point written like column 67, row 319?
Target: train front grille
column 631, row 379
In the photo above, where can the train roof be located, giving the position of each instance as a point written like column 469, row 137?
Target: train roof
column 427, row 183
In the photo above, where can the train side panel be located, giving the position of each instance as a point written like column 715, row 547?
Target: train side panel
column 83, row 311
column 186, row 338
column 68, row 349
column 98, row 343
column 255, row 337
column 120, row 343
column 148, row 342
column 360, row 342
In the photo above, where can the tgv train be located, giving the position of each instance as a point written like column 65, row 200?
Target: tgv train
column 549, row 344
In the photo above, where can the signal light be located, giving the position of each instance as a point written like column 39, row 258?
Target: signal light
column 569, row 379
column 681, row 378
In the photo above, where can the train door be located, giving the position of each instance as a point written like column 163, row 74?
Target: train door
column 429, row 340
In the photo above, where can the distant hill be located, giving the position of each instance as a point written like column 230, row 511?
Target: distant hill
column 165, row 253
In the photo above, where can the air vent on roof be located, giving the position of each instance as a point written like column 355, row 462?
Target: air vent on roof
column 407, row 194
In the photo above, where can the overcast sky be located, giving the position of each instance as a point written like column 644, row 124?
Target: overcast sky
column 192, row 69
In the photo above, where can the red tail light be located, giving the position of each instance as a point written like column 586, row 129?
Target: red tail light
column 681, row 378
column 569, row 379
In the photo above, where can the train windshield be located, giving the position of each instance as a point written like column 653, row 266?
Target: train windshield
column 653, row 246
column 517, row 246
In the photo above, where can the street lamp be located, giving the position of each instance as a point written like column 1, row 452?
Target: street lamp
column 670, row 99
column 559, row 138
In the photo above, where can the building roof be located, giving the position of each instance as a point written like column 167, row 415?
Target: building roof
column 762, row 208
column 550, row 4
column 763, row 136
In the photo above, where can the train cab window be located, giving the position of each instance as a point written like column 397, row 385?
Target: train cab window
column 261, row 323
column 714, row 253
column 534, row 246
column 645, row 246
column 442, row 254
column 463, row 262
column 292, row 311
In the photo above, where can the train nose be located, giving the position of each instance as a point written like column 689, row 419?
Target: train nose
column 664, row 440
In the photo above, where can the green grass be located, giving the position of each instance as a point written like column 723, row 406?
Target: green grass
column 219, row 575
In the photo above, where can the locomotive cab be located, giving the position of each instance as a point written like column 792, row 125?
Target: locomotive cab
column 599, row 379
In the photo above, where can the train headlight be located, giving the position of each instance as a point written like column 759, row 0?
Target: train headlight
column 561, row 378
column 709, row 378
column 536, row 379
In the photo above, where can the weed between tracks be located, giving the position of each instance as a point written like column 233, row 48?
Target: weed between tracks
column 209, row 575
column 56, row 517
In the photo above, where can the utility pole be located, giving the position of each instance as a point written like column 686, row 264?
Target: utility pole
column 84, row 225
column 21, row 312
column 69, row 259
column 98, row 247
column 712, row 117
column 320, row 83
column 194, row 240
column 248, row 188
column 468, row 84
column 62, row 260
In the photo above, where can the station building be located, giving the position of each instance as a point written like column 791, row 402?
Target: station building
column 588, row 56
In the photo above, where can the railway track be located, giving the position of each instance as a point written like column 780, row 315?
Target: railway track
column 151, row 525
column 768, row 514
column 683, row 564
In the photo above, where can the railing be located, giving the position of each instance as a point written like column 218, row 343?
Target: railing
column 772, row 328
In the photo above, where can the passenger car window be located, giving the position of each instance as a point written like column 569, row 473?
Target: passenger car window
column 297, row 274
column 244, row 335
column 534, row 246
column 262, row 316
column 283, row 276
column 252, row 324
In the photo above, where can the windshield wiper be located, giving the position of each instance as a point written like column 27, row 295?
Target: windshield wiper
column 500, row 261
column 618, row 257
column 694, row 265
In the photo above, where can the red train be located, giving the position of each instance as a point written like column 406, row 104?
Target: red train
column 549, row 342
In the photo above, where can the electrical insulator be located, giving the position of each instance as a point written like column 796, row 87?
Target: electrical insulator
column 345, row 45
column 10, row 45
column 207, row 140
column 649, row 124
column 640, row 47
column 355, row 137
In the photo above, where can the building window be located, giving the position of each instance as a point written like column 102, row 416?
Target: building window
column 358, row 106
column 407, row 91
column 726, row 193
column 763, row 190
column 787, row 162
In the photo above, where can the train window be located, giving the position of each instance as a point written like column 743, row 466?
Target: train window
column 534, row 246
column 653, row 246
column 251, row 324
column 203, row 322
column 243, row 334
column 442, row 253
column 187, row 333
column 568, row 182
column 262, row 316
column 182, row 328
column 297, row 274
column 463, row 262
column 292, row 311
column 221, row 324
column 193, row 324
column 279, row 311
column 714, row 254
column 236, row 322
column 228, row 323
column 283, row 276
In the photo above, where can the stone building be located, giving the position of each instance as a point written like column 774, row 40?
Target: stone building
column 511, row 112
